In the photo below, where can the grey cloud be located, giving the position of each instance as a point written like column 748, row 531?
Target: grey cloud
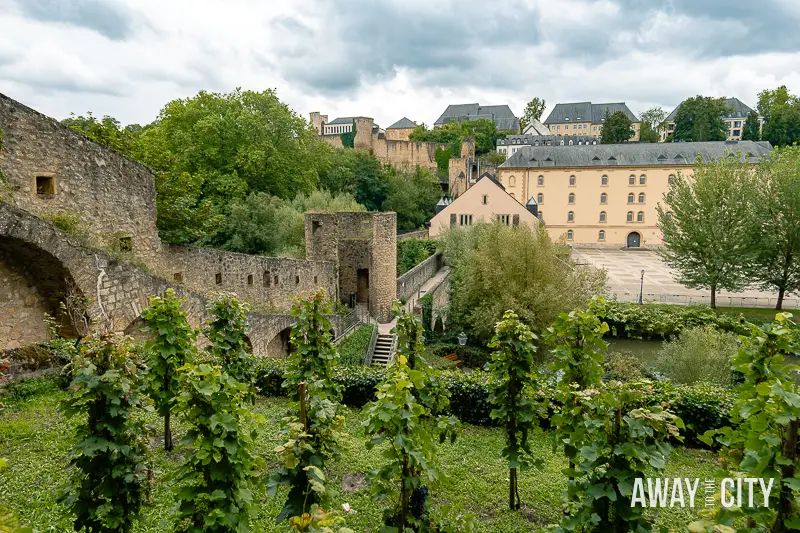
column 107, row 18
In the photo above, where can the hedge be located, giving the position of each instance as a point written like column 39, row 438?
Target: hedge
column 654, row 321
column 354, row 347
column 701, row 406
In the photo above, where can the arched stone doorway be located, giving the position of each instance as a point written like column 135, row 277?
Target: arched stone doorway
column 280, row 345
column 33, row 283
column 634, row 240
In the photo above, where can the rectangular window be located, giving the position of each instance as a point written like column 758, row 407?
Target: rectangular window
column 485, row 199
column 465, row 220
column 736, row 133
column 504, row 219
column 125, row 244
column 218, row 278
column 45, row 185
column 249, row 279
column 178, row 277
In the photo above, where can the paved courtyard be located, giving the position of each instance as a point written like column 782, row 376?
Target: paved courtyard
column 624, row 267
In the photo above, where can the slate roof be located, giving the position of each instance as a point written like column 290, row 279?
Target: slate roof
column 586, row 112
column 632, row 154
column 342, row 120
column 403, row 123
column 740, row 110
column 545, row 140
column 502, row 115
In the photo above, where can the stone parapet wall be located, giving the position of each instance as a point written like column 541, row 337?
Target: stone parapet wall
column 410, row 282
column 419, row 234
column 440, row 299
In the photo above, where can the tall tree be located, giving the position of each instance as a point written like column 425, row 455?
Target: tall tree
column 108, row 131
column 700, row 119
column 652, row 121
column 412, row 195
column 617, row 128
column 751, row 130
column 781, row 112
column 533, row 111
column 776, row 221
column 705, row 228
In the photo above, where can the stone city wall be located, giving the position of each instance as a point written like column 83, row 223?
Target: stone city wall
column 410, row 282
column 441, row 300
column 383, row 274
column 268, row 283
column 56, row 170
column 419, row 234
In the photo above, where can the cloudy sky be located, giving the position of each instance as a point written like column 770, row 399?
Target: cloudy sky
column 388, row 59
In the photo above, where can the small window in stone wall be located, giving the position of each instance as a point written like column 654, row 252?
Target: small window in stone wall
column 297, row 280
column 315, row 225
column 249, row 279
column 218, row 278
column 275, row 280
column 178, row 277
column 315, row 280
column 125, row 244
column 267, row 279
column 45, row 185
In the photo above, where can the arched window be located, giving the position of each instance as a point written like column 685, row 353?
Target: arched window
column 572, row 180
column 602, row 216
column 604, row 180
column 570, row 142
column 671, row 179
column 540, row 198
column 640, row 216
column 601, row 235
column 569, row 235
column 642, row 179
column 641, row 197
column 540, row 181
column 571, row 216
column 512, row 181
column 630, row 216
column 604, row 198
column 632, row 180
column 631, row 198
column 572, row 197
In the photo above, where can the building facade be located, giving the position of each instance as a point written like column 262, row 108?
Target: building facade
column 734, row 120
column 606, row 194
column 486, row 201
column 586, row 118
column 511, row 144
column 501, row 115
column 400, row 130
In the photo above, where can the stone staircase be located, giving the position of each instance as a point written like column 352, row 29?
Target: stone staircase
column 384, row 350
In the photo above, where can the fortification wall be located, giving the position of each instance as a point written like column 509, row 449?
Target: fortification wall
column 57, row 170
column 22, row 305
column 269, row 283
column 410, row 282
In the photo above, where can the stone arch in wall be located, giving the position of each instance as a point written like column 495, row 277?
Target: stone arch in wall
column 280, row 345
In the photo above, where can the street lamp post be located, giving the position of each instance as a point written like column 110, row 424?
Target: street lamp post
column 641, row 288
column 462, row 341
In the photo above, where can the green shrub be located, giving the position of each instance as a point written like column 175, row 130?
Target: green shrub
column 411, row 252
column 653, row 321
column 353, row 348
column 699, row 354
column 471, row 356
column 623, row 366
column 702, row 406
column 19, row 391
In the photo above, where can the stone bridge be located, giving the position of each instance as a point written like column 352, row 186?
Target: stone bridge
column 39, row 263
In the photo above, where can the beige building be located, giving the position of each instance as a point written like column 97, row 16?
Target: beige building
column 486, row 201
column 606, row 194
column 734, row 120
column 400, row 130
column 586, row 118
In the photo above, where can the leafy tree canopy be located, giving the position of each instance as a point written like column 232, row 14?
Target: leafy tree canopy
column 781, row 112
column 533, row 111
column 617, row 128
column 700, row 119
column 751, row 130
column 484, row 131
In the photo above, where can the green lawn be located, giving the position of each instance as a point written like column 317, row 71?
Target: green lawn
column 757, row 314
column 35, row 438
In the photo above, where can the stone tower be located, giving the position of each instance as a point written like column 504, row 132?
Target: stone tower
column 363, row 139
column 318, row 121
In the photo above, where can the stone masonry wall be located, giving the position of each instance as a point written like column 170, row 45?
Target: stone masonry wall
column 419, row 234
column 383, row 274
column 268, row 283
column 22, row 308
column 113, row 195
column 441, row 299
column 410, row 282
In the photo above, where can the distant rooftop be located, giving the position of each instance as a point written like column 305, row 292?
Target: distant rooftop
column 342, row 120
column 501, row 115
column 633, row 154
column 403, row 123
column 740, row 110
column 586, row 112
column 545, row 140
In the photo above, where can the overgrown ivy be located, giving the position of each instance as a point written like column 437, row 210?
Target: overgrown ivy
column 171, row 346
column 311, row 431
column 105, row 490
column 511, row 385
column 349, row 137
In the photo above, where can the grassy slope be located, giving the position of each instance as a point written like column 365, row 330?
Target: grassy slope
column 35, row 439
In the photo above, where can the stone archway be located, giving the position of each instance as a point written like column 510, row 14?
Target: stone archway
column 634, row 240
column 33, row 283
column 280, row 345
